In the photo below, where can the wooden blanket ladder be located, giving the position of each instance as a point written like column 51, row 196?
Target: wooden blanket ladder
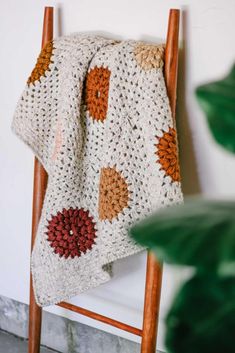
column 148, row 333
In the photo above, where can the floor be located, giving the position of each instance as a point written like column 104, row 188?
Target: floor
column 12, row 344
column 58, row 333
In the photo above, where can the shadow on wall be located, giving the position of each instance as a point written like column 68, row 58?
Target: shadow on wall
column 189, row 172
column 59, row 17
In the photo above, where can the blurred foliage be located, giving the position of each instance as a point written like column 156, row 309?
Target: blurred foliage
column 201, row 234
column 202, row 317
column 217, row 99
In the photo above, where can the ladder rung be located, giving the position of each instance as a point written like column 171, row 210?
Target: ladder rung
column 101, row 318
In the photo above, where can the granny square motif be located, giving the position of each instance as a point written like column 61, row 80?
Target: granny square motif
column 96, row 114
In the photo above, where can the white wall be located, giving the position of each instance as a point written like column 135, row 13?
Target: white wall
column 208, row 50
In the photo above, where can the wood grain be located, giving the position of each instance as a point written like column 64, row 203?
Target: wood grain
column 39, row 188
column 151, row 304
column 154, row 269
column 171, row 57
column 98, row 317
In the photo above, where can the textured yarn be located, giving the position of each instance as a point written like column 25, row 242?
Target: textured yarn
column 96, row 114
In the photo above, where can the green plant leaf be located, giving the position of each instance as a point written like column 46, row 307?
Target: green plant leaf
column 198, row 233
column 202, row 317
column 217, row 99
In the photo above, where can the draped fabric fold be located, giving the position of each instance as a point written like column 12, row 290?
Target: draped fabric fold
column 96, row 114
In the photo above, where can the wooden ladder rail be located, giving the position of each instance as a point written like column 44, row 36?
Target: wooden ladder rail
column 153, row 280
column 153, row 268
column 39, row 189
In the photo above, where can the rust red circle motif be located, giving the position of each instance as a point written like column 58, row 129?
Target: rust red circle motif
column 71, row 232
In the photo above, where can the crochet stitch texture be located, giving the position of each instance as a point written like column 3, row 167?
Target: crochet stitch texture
column 96, row 114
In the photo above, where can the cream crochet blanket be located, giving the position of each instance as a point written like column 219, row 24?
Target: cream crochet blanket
column 96, row 114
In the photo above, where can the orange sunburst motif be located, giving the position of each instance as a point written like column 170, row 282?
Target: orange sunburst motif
column 167, row 153
column 42, row 65
column 97, row 92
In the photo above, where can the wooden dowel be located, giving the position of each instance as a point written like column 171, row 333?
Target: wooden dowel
column 154, row 269
column 171, row 57
column 101, row 318
column 47, row 32
column 39, row 188
column 151, row 304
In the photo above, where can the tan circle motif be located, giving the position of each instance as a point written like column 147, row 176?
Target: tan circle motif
column 97, row 92
column 43, row 62
column 167, row 152
column 113, row 193
column 149, row 56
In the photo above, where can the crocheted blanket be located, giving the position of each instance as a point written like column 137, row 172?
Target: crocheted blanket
column 96, row 114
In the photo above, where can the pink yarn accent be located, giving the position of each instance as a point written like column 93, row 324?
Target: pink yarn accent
column 58, row 141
